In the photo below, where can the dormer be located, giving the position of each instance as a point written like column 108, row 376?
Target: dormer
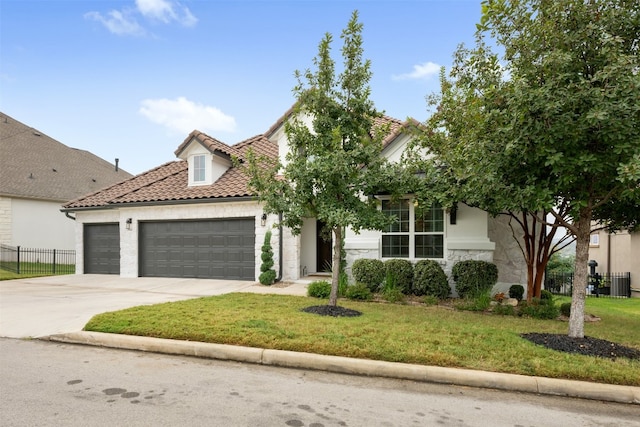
column 207, row 157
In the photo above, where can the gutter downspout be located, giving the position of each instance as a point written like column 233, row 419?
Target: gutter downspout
column 69, row 216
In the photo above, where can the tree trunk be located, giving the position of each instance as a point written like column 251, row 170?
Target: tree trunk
column 335, row 266
column 580, row 278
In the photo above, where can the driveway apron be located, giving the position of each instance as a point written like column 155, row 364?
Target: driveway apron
column 45, row 306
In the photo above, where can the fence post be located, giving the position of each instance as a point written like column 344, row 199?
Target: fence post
column 54, row 261
column 18, row 265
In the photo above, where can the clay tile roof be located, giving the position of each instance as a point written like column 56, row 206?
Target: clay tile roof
column 169, row 182
column 209, row 143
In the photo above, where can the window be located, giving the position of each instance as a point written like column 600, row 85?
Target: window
column 594, row 240
column 199, row 168
column 418, row 231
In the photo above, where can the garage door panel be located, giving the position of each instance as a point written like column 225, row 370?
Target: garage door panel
column 220, row 249
column 101, row 248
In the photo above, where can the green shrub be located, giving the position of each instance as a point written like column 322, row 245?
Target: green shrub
column 430, row 300
column 319, row 289
column 402, row 272
column 390, row 291
column 479, row 302
column 516, row 291
column 343, row 283
column 546, row 296
column 504, row 310
column 429, row 279
column 371, row 272
column 268, row 275
column 359, row 291
column 539, row 309
column 565, row 309
column 474, row 277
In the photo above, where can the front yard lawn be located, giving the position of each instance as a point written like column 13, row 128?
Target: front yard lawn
column 428, row 335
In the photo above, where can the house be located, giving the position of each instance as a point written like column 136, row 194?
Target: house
column 195, row 217
column 37, row 175
column 617, row 253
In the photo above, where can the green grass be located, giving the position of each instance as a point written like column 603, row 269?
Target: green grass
column 429, row 335
column 36, row 270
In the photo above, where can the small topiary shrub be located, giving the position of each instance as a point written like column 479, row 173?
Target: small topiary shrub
column 319, row 289
column 402, row 272
column 474, row 278
column 565, row 309
column 359, row 291
column 268, row 275
column 429, row 279
column 371, row 272
column 517, row 292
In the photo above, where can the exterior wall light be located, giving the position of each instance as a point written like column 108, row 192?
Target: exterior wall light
column 263, row 219
column 129, row 221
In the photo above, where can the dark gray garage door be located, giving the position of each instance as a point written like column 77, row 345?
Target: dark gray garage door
column 213, row 249
column 102, row 249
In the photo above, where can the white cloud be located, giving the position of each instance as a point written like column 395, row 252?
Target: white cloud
column 422, row 71
column 117, row 22
column 166, row 11
column 184, row 116
column 124, row 22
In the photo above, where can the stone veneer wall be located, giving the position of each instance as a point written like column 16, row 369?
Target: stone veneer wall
column 512, row 268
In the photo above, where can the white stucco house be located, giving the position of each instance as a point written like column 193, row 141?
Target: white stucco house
column 37, row 176
column 195, row 217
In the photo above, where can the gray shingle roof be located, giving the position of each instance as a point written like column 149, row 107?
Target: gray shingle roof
column 34, row 165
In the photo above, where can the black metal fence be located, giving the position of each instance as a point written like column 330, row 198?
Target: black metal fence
column 37, row 261
column 608, row 285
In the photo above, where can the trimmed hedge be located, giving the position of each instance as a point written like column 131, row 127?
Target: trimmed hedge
column 402, row 272
column 371, row 272
column 474, row 278
column 429, row 279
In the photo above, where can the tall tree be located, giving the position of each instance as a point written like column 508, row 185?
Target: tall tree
column 552, row 123
column 336, row 161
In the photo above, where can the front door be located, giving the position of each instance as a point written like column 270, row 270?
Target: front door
column 323, row 250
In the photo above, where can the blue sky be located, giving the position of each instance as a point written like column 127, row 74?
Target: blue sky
column 130, row 79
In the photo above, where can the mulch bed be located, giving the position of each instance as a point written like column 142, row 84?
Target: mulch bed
column 330, row 310
column 587, row 346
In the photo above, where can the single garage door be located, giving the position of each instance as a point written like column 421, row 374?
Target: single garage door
column 102, row 248
column 212, row 249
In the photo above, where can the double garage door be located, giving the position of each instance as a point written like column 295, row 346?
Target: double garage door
column 212, row 249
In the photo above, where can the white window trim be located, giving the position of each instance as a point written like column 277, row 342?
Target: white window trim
column 192, row 169
column 594, row 240
column 412, row 234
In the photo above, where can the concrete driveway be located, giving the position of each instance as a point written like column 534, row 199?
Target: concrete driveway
column 45, row 306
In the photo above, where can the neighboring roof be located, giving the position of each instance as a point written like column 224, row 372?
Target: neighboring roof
column 36, row 166
column 169, row 182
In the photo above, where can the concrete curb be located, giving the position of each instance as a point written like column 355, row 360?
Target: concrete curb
column 346, row 365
